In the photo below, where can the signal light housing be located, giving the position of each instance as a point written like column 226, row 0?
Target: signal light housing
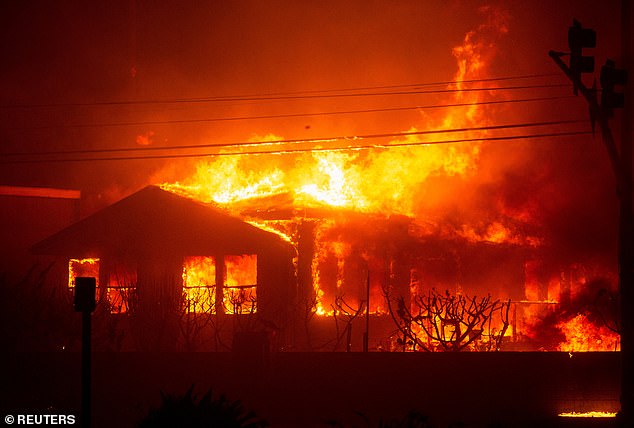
column 578, row 39
column 609, row 78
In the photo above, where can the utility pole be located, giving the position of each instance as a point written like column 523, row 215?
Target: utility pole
column 621, row 160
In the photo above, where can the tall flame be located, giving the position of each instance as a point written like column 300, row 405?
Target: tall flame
column 379, row 180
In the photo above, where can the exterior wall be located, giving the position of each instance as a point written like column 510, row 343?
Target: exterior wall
column 277, row 294
column 160, row 323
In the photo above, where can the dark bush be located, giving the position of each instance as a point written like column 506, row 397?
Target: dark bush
column 187, row 411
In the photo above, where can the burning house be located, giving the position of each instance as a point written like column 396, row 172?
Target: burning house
column 312, row 279
column 161, row 258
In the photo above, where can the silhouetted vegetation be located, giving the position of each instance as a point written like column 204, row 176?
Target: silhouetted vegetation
column 188, row 411
column 450, row 322
column 413, row 419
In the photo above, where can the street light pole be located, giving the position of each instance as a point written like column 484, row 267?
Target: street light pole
column 85, row 288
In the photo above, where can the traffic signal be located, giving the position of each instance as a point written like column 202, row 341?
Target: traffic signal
column 611, row 77
column 579, row 38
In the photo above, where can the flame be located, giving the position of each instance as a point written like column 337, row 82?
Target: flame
column 386, row 180
column 242, row 300
column 498, row 233
column 199, row 271
column 121, row 282
column 381, row 181
column 270, row 227
column 584, row 336
column 240, row 292
column 238, row 288
column 199, row 280
column 241, row 270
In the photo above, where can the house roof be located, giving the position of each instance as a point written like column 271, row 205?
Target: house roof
column 153, row 221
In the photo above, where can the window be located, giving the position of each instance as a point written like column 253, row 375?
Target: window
column 121, row 289
column 239, row 295
column 82, row 267
column 238, row 288
column 199, row 284
column 120, row 292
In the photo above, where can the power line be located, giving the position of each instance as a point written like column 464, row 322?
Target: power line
column 283, row 97
column 312, row 149
column 291, row 115
column 409, row 85
column 406, row 144
column 301, row 141
column 299, row 150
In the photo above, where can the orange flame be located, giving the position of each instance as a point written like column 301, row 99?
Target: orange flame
column 584, row 336
column 238, row 288
column 199, row 280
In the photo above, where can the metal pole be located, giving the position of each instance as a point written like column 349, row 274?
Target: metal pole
column 85, row 290
column 85, row 368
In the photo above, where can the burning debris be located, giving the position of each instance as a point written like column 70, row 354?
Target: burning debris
column 584, row 321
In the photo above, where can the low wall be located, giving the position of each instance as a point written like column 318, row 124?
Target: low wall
column 310, row 389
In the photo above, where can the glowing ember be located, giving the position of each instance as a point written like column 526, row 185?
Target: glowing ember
column 592, row 414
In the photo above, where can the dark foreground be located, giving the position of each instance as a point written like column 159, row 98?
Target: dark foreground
column 327, row 389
